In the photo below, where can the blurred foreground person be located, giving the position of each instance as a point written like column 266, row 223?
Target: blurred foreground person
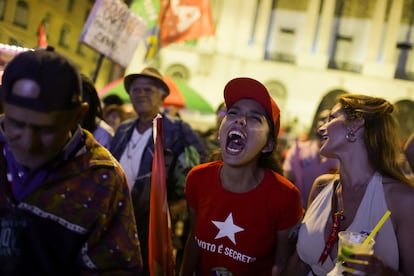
column 363, row 135
column 241, row 209
column 65, row 206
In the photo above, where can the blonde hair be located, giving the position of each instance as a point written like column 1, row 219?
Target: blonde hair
column 382, row 133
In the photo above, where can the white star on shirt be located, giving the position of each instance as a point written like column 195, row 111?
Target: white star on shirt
column 227, row 228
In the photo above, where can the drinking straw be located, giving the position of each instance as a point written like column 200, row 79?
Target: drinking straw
column 377, row 227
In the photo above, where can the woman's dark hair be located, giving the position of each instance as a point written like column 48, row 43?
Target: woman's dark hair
column 271, row 160
column 90, row 95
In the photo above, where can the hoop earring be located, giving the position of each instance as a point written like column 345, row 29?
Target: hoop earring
column 350, row 136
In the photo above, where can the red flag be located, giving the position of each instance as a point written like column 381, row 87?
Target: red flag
column 41, row 36
column 160, row 249
column 184, row 20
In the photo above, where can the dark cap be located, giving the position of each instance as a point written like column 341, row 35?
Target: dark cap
column 148, row 72
column 247, row 88
column 57, row 76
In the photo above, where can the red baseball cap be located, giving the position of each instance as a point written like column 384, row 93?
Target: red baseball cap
column 242, row 88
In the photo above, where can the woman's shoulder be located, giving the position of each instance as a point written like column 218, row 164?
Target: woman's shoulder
column 395, row 189
column 399, row 197
column 319, row 184
column 323, row 180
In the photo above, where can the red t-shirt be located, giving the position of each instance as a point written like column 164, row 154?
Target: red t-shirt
column 237, row 231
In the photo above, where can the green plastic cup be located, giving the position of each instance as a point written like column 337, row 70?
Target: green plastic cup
column 353, row 243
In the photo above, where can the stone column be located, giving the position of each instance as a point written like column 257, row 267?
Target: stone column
column 318, row 31
column 380, row 59
column 371, row 64
column 391, row 35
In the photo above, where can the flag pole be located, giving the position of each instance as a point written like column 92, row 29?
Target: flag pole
column 160, row 249
column 97, row 68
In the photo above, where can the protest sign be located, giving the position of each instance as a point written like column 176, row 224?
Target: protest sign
column 113, row 30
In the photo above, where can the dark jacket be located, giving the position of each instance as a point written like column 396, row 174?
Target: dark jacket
column 177, row 135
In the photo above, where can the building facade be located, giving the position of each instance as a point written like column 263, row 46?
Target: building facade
column 63, row 22
column 300, row 49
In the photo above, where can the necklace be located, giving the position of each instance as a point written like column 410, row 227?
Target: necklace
column 133, row 145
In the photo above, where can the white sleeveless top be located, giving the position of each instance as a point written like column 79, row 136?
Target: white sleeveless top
column 311, row 241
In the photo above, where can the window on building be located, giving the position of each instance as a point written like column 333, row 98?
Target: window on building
column 15, row 42
column 284, row 30
column 405, row 61
column 71, row 3
column 349, row 44
column 80, row 50
column 21, row 15
column 178, row 71
column 405, row 50
column 410, row 64
column 2, row 8
column 64, row 36
column 46, row 21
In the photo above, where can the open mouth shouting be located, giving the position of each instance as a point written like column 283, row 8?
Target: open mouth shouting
column 236, row 141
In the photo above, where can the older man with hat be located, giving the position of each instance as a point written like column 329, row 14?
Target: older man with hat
column 64, row 201
column 133, row 146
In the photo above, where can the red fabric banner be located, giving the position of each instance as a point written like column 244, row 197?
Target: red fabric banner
column 184, row 20
column 41, row 36
column 160, row 249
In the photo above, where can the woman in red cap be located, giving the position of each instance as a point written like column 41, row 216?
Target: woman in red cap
column 241, row 208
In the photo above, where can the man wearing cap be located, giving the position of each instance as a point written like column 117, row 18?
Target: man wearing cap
column 65, row 207
column 133, row 146
column 241, row 207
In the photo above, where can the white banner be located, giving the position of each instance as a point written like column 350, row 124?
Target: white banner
column 113, row 30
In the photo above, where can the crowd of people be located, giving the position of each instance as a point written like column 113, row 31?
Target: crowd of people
column 76, row 173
